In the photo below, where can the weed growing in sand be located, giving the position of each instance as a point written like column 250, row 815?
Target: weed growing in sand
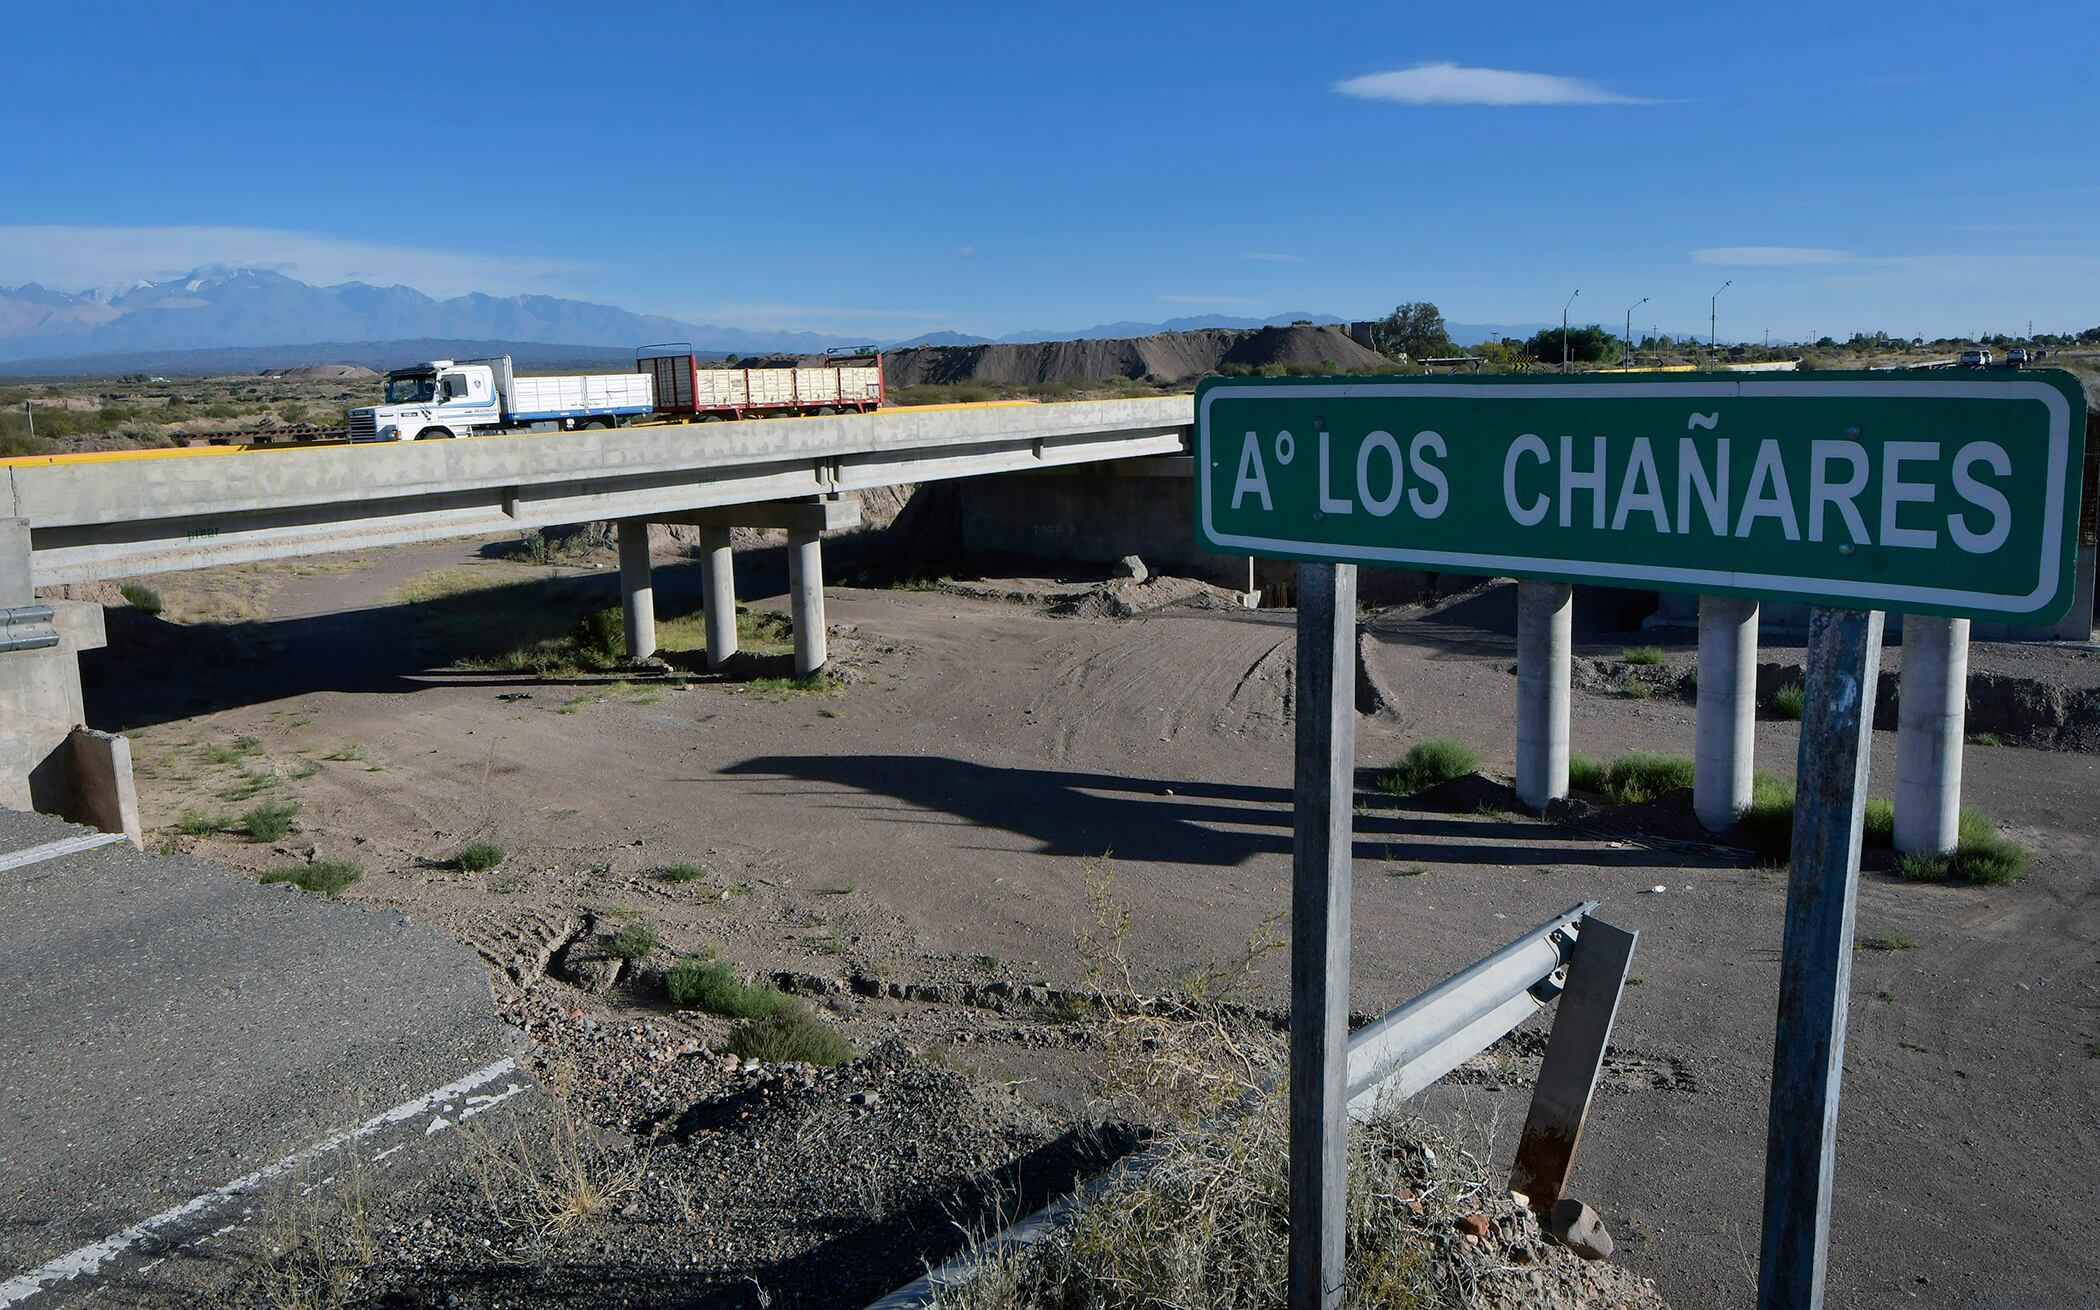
column 479, row 856
column 1587, row 773
column 250, row 783
column 1982, row 854
column 328, row 877
column 270, row 820
column 1889, row 941
column 306, row 769
column 143, row 599
column 1642, row 655
column 826, row 939
column 317, row 1238
column 1632, row 779
column 548, row 1183
column 712, row 985
column 780, row 690
column 1428, row 764
column 792, row 1034
column 233, row 752
column 683, row 873
column 636, row 940
column 347, row 754
column 1410, row 871
column 1638, row 691
column 1790, row 701
column 196, row 823
column 503, row 884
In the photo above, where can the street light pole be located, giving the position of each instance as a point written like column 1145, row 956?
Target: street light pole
column 1629, row 328
column 1564, row 332
column 1713, row 321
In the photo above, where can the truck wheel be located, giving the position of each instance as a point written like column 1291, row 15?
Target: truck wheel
column 433, row 434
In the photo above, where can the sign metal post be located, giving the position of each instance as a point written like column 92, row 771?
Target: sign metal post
column 1815, row 965
column 1323, row 802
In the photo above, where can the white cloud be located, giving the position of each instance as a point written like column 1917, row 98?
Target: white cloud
column 1455, row 84
column 1207, row 300
column 1770, row 256
column 1273, row 257
column 964, row 252
column 77, row 258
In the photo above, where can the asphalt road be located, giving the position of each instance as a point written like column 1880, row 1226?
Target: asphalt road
column 173, row 1027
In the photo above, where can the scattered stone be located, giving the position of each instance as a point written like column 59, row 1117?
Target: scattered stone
column 1130, row 566
column 588, row 964
column 865, row 1098
column 1474, row 1225
column 1580, row 1229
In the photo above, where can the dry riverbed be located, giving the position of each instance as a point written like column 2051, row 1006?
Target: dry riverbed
column 905, row 853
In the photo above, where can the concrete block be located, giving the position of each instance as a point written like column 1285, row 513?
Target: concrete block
column 104, row 796
column 17, row 586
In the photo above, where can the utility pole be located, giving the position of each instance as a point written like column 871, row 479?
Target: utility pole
column 1564, row 331
column 1629, row 328
column 1713, row 325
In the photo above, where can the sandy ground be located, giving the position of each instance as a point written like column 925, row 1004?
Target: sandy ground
column 930, row 824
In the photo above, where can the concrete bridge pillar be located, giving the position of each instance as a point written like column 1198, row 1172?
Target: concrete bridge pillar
column 637, row 589
column 806, row 598
column 1726, row 733
column 718, row 593
column 1545, row 653
column 1931, row 721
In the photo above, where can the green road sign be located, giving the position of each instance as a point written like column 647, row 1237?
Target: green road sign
column 1932, row 493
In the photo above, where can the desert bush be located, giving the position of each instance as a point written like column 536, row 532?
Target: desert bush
column 712, row 985
column 791, row 1034
column 635, row 940
column 1588, row 773
column 1790, row 701
column 270, row 820
column 682, row 872
column 328, row 877
column 479, row 856
column 1428, row 764
column 1642, row 655
column 601, row 634
column 1640, row 776
column 196, row 823
column 141, row 598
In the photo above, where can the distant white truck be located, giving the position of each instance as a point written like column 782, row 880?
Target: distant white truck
column 464, row 398
column 1975, row 357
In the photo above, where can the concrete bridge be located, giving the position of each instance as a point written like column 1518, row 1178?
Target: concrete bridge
column 81, row 518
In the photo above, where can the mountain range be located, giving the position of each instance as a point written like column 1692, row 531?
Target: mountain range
column 219, row 317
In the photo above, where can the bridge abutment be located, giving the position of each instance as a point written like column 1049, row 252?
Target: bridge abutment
column 49, row 761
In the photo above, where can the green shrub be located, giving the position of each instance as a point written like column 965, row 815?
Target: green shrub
column 270, row 820
column 327, row 877
column 714, row 987
column 1642, row 655
column 196, row 823
column 1428, row 764
column 1879, row 828
column 601, row 634
column 635, row 940
column 479, row 856
column 682, row 872
column 1640, row 776
column 1790, row 701
column 143, row 599
column 1767, row 822
column 1588, row 773
column 791, row 1034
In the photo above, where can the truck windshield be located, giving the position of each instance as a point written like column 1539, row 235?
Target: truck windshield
column 415, row 389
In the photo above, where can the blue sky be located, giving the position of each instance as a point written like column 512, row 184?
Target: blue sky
column 993, row 167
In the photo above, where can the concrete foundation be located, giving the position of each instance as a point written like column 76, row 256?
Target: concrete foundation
column 637, row 589
column 1545, row 641
column 1929, row 733
column 1727, row 717
column 718, row 594
column 103, row 794
column 806, row 599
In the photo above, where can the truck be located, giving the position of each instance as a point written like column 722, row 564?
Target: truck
column 848, row 382
column 1975, row 357
column 469, row 397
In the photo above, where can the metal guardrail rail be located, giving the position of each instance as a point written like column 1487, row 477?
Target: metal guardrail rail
column 1412, row 1046
column 27, row 627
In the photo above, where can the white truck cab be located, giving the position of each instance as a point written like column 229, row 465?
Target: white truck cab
column 438, row 399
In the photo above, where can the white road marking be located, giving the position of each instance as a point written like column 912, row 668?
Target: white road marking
column 88, row 1259
column 52, row 850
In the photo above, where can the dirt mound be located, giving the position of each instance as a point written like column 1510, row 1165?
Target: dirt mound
column 345, row 372
column 1171, row 355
